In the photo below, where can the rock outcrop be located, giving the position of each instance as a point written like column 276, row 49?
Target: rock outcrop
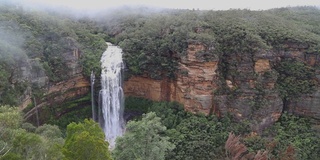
column 193, row 87
column 243, row 85
column 308, row 105
column 76, row 85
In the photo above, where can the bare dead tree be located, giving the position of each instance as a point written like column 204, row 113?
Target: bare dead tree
column 236, row 150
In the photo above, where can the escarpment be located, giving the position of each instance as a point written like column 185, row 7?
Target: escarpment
column 193, row 86
column 242, row 63
column 56, row 93
column 46, row 60
column 248, row 90
column 253, row 65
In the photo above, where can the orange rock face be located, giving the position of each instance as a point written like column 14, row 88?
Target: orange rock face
column 262, row 65
column 193, row 87
column 71, row 88
column 74, row 87
column 143, row 87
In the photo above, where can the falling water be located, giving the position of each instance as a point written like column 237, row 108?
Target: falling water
column 111, row 93
column 92, row 79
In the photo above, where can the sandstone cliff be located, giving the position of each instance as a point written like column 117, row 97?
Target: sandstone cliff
column 247, row 91
column 75, row 86
column 193, row 87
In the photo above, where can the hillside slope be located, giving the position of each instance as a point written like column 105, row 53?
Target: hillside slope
column 252, row 64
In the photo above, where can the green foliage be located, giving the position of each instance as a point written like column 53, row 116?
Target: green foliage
column 171, row 113
column 154, row 43
column 85, row 141
column 194, row 136
column 29, row 145
column 32, row 144
column 295, row 78
column 49, row 131
column 62, row 114
column 291, row 135
column 255, row 143
column 12, row 57
column 50, row 39
column 10, row 117
column 143, row 140
column 93, row 45
column 295, row 131
column 198, row 137
column 28, row 127
column 76, row 115
column 137, row 104
column 203, row 137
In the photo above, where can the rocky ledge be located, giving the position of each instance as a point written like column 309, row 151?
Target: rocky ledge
column 244, row 86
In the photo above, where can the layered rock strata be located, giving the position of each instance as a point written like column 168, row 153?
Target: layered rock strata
column 193, row 87
column 243, row 85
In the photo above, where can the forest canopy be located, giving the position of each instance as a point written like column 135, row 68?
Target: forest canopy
column 40, row 43
column 35, row 43
column 154, row 42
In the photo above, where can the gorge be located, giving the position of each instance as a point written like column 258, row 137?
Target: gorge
column 204, row 66
column 204, row 73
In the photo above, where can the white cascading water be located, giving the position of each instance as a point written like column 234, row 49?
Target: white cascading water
column 111, row 93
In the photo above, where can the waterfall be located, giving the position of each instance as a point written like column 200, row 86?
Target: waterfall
column 111, row 94
column 92, row 79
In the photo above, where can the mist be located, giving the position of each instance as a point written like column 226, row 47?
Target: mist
column 11, row 42
column 74, row 11
column 91, row 6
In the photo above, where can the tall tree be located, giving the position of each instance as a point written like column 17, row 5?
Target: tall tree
column 143, row 140
column 85, row 141
column 21, row 143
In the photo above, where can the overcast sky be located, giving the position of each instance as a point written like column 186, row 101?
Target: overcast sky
column 181, row 4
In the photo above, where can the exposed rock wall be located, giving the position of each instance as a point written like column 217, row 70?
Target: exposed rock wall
column 241, row 84
column 76, row 85
column 143, row 87
column 196, row 81
column 73, row 87
column 193, row 87
column 249, row 92
column 309, row 104
column 53, row 94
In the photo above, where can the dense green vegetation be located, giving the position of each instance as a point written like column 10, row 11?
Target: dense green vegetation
column 23, row 141
column 188, row 136
column 203, row 137
column 143, row 140
column 85, row 141
column 154, row 42
column 63, row 114
column 60, row 114
column 295, row 131
column 33, row 42
column 19, row 140
column 295, row 78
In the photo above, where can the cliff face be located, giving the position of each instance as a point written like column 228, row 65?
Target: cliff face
column 76, row 85
column 249, row 92
column 243, row 85
column 193, row 87
column 308, row 104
